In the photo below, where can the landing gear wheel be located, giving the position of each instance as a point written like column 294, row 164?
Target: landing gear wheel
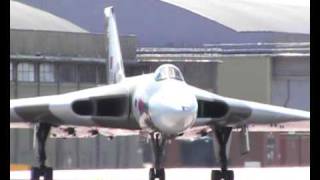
column 227, row 175
column 152, row 174
column 223, row 135
column 219, row 175
column 215, row 175
column 161, row 174
column 37, row 172
column 156, row 173
column 48, row 173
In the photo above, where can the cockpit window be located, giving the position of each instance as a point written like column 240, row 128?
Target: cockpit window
column 163, row 74
column 168, row 72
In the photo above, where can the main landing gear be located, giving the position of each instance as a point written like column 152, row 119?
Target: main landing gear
column 158, row 144
column 42, row 132
column 222, row 134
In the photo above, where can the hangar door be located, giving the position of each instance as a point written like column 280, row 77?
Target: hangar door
column 291, row 88
column 291, row 82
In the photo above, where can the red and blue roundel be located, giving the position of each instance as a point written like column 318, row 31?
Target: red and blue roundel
column 142, row 106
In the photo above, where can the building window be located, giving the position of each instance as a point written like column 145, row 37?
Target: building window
column 67, row 73
column 11, row 71
column 26, row 72
column 87, row 73
column 46, row 72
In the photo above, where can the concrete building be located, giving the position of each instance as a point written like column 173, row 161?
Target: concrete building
column 51, row 55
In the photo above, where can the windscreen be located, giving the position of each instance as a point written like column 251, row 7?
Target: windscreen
column 168, row 72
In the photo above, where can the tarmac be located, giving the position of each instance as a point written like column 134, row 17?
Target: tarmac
column 276, row 173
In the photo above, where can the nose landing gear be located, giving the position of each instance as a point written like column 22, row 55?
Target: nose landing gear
column 222, row 134
column 158, row 145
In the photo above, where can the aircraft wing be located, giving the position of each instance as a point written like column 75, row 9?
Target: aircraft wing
column 215, row 109
column 106, row 106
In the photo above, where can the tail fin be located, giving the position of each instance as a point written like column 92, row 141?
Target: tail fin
column 114, row 63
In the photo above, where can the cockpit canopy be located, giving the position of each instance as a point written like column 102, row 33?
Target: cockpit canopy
column 168, row 71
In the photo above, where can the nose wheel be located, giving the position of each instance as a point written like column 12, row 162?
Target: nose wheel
column 158, row 145
column 219, row 175
column 223, row 134
column 156, row 173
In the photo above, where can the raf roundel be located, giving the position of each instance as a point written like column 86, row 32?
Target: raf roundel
column 142, row 106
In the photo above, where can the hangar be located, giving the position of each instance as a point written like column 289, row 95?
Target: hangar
column 51, row 55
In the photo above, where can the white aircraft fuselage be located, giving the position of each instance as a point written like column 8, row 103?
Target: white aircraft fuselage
column 166, row 105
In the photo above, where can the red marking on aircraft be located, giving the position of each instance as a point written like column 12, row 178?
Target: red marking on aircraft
column 141, row 106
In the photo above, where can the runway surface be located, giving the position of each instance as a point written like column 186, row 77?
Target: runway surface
column 292, row 173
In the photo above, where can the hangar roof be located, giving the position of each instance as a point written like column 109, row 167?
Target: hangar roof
column 27, row 17
column 291, row 16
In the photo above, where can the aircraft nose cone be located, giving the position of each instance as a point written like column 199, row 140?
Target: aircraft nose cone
column 173, row 112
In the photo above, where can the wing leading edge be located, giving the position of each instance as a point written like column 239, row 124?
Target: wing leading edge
column 105, row 106
column 235, row 112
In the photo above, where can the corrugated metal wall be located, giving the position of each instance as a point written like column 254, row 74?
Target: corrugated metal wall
column 99, row 152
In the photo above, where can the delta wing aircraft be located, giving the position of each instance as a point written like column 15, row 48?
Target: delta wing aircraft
column 159, row 105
